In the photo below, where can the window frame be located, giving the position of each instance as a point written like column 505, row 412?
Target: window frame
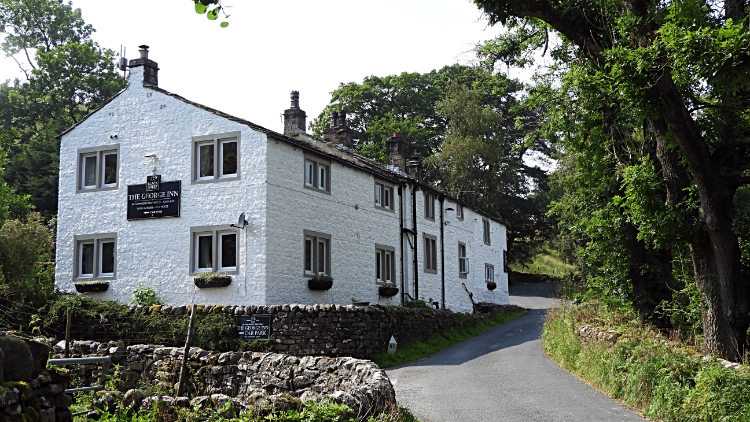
column 430, row 254
column 489, row 269
column 316, row 238
column 98, row 152
column 465, row 259
column 459, row 212
column 218, row 141
column 429, row 206
column 317, row 164
column 97, row 239
column 486, row 231
column 384, row 251
column 386, row 191
column 215, row 232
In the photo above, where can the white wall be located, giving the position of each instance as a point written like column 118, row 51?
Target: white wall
column 156, row 252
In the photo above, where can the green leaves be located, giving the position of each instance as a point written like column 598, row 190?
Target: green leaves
column 202, row 7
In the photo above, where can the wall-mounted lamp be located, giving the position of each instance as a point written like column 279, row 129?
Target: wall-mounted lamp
column 152, row 156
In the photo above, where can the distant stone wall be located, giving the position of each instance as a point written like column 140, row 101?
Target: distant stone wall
column 29, row 392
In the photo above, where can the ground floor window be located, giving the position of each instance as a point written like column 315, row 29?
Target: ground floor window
column 95, row 256
column 385, row 266
column 317, row 253
column 430, row 254
column 214, row 249
column 489, row 273
column 463, row 261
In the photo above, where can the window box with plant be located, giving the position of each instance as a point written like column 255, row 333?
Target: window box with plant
column 320, row 282
column 388, row 290
column 210, row 279
column 92, row 286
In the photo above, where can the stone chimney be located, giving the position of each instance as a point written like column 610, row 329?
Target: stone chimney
column 150, row 67
column 414, row 168
column 338, row 133
column 294, row 117
column 397, row 152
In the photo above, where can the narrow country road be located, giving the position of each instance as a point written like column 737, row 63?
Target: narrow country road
column 502, row 375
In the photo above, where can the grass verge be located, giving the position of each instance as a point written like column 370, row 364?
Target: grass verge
column 470, row 327
column 665, row 380
column 548, row 261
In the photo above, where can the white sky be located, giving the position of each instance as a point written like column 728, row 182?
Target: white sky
column 273, row 47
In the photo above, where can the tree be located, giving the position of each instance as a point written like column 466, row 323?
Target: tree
column 67, row 77
column 682, row 68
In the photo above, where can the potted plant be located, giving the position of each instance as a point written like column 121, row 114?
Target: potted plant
column 320, row 282
column 491, row 285
column 92, row 286
column 210, row 280
column 388, row 290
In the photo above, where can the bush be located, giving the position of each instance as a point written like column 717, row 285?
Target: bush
column 23, row 245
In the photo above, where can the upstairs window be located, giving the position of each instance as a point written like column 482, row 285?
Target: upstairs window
column 214, row 249
column 430, row 254
column 463, row 261
column 429, row 206
column 98, row 168
column 486, row 231
column 459, row 212
column 317, row 174
column 385, row 266
column 384, row 196
column 95, row 256
column 216, row 157
column 317, row 254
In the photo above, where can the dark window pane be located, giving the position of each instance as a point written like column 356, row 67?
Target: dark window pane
column 108, row 257
column 206, row 160
column 229, row 158
column 308, row 255
column 205, row 252
column 87, row 259
column 110, row 169
column 89, row 171
column 322, row 257
column 377, row 265
column 228, row 250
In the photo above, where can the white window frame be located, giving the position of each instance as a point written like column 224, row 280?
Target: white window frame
column 463, row 260
column 98, row 154
column 385, row 264
column 97, row 241
column 430, row 253
column 486, row 231
column 217, row 141
column 316, row 239
column 429, row 206
column 384, row 196
column 321, row 174
column 489, row 273
column 215, row 233
column 459, row 212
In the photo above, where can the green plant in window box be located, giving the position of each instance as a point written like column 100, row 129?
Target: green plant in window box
column 320, row 282
column 92, row 286
column 211, row 279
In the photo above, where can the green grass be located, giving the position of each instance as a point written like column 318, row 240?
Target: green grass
column 471, row 327
column 665, row 380
column 546, row 262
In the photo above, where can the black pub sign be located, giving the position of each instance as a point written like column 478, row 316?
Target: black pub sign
column 253, row 327
column 162, row 202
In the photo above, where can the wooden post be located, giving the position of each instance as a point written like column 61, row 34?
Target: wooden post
column 183, row 368
column 67, row 333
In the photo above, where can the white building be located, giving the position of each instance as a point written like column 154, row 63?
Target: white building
column 311, row 206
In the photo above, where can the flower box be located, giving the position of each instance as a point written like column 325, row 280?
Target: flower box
column 320, row 283
column 491, row 285
column 92, row 286
column 388, row 291
column 212, row 280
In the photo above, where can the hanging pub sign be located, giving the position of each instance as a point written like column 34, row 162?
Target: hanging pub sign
column 154, row 199
column 253, row 327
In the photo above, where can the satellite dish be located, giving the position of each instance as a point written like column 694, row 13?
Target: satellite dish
column 241, row 222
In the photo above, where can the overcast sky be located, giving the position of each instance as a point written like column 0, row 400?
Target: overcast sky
column 273, row 47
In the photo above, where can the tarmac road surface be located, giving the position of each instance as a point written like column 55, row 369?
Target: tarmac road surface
column 502, row 375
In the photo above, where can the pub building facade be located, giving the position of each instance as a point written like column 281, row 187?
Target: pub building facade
column 156, row 190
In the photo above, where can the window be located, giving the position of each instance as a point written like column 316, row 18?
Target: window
column 430, row 254
column 216, row 157
column 489, row 273
column 317, row 254
column 463, row 261
column 486, row 231
column 95, row 256
column 505, row 261
column 429, row 206
column 384, row 196
column 317, row 174
column 214, row 249
column 98, row 168
column 385, row 266
column 459, row 212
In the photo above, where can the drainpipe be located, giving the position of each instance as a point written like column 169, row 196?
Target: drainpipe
column 401, row 234
column 442, row 254
column 414, row 230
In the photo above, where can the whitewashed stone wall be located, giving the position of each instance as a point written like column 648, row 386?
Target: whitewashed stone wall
column 156, row 252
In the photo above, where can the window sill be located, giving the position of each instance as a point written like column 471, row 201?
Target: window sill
column 430, row 271
column 314, row 189
column 79, row 190
column 378, row 207
column 464, row 276
column 215, row 180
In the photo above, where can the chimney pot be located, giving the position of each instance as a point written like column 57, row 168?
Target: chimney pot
column 295, row 99
column 396, row 149
column 414, row 168
column 334, row 118
column 342, row 117
column 294, row 117
column 144, row 51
